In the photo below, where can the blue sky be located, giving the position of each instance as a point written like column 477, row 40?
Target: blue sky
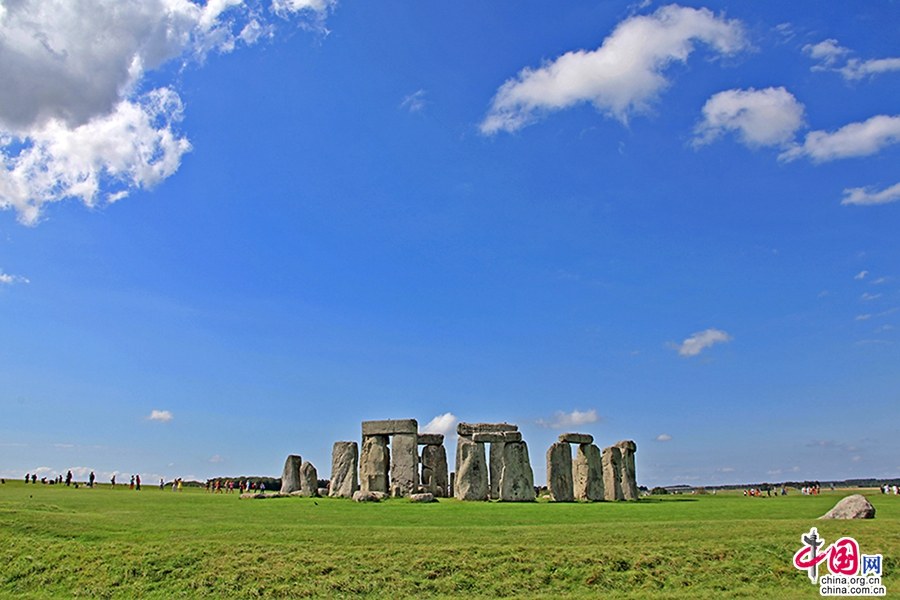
column 232, row 231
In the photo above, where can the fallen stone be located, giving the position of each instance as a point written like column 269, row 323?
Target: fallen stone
column 431, row 439
column 497, row 437
column 629, row 477
column 851, row 507
column 587, row 473
column 434, row 470
column 471, row 471
column 247, row 496
column 297, row 493
column 323, row 492
column 389, row 427
column 404, row 464
column 612, row 473
column 577, row 438
column 374, row 464
column 309, row 480
column 344, row 480
column 469, row 429
column 290, row 475
column 425, row 497
column 517, row 478
column 559, row 472
column 361, row 496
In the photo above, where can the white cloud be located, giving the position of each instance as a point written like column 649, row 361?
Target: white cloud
column 623, row 76
column 863, row 317
column 163, row 416
column 71, row 111
column 726, row 470
column 828, row 52
column 775, row 472
column 695, row 344
column 866, row 195
column 852, row 140
column 768, row 117
column 868, row 296
column 217, row 459
column 879, row 280
column 445, row 423
column 666, row 437
column 862, row 275
column 564, row 420
column 414, row 102
column 7, row 279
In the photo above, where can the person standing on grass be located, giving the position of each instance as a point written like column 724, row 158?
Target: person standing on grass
column 28, row 476
column 113, row 482
column 179, row 484
column 33, row 479
column 131, row 485
column 162, row 485
column 137, row 482
column 91, row 479
column 68, row 478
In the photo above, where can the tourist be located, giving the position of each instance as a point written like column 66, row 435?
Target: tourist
column 91, row 479
column 69, row 478
column 131, row 485
column 28, row 476
column 137, row 482
column 179, row 484
column 162, row 485
column 33, row 479
column 112, row 481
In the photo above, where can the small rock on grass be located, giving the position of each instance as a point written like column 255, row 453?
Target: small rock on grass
column 851, row 507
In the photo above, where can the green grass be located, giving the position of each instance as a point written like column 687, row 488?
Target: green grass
column 61, row 542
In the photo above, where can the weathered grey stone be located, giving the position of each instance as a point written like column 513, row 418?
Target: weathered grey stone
column 452, row 483
column 290, row 475
column 559, row 472
column 612, row 473
column 851, row 507
column 389, row 427
column 247, row 496
column 434, row 470
column 497, row 437
column 323, row 492
column 431, row 439
column 517, row 479
column 404, row 464
column 361, row 496
column 629, row 477
column 577, row 438
column 471, row 471
column 495, row 463
column 374, row 464
column 469, row 429
column 587, row 473
column 309, row 480
column 297, row 493
column 344, row 459
column 423, row 497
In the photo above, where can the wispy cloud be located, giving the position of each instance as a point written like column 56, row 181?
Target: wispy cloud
column 862, row 275
column 868, row 195
column 7, row 279
column 829, row 53
column 695, row 344
column 564, row 420
column 869, row 296
column 217, row 459
column 850, row 141
column 414, row 102
column 163, row 416
column 665, row 437
column 622, row 77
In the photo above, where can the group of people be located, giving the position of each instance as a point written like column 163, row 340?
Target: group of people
column 889, row 489
column 217, row 486
column 769, row 492
column 69, row 479
column 810, row 490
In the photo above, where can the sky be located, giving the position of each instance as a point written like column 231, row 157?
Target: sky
column 233, row 230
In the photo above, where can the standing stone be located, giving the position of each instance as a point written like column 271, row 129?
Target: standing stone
column 629, row 475
column 404, row 464
column 471, row 470
column 374, row 464
column 309, row 480
column 344, row 459
column 559, row 472
column 629, row 478
column 587, row 473
column 612, row 473
column 434, row 470
column 517, row 478
column 290, row 475
column 496, row 468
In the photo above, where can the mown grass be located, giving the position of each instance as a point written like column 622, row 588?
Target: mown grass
column 61, row 542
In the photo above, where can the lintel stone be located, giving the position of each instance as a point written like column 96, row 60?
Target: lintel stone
column 497, row 437
column 389, row 427
column 431, row 439
column 577, row 438
column 468, row 429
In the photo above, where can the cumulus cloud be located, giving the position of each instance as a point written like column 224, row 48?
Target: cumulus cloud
column 564, row 420
column 163, row 416
column 695, row 344
column 665, row 437
column 7, row 279
column 868, row 195
column 829, row 52
column 852, row 140
column 445, row 423
column 72, row 112
column 768, row 117
column 623, row 76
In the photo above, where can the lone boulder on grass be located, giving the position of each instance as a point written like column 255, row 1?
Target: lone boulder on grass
column 851, row 507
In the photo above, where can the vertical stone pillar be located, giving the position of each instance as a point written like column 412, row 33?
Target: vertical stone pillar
column 471, row 470
column 612, row 473
column 344, row 461
column 374, row 464
column 517, row 478
column 309, row 480
column 434, row 469
column 290, row 475
column 404, row 464
column 496, row 468
column 559, row 472
column 587, row 473
column 628, row 475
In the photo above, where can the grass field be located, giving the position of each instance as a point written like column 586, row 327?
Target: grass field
column 58, row 542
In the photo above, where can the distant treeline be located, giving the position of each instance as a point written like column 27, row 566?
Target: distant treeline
column 847, row 483
column 272, row 484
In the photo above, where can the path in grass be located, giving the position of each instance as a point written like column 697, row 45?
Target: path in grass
column 61, row 542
